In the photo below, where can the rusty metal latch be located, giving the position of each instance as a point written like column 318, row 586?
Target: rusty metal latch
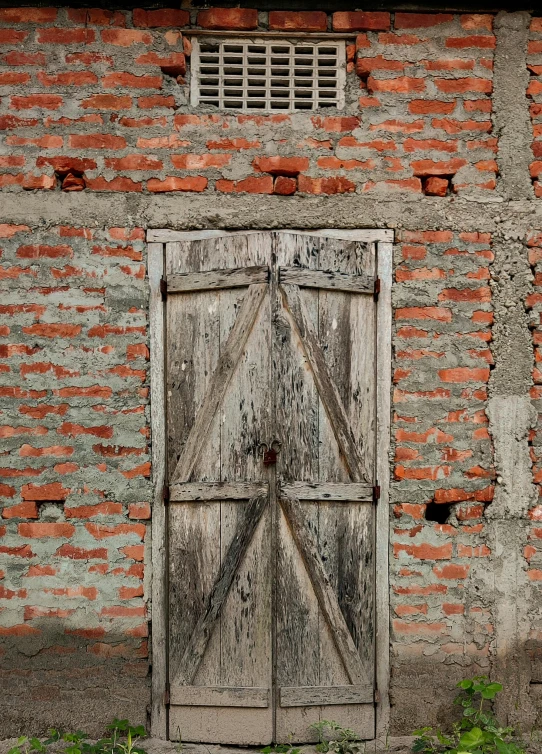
column 376, row 289
column 376, row 493
column 269, row 452
column 163, row 288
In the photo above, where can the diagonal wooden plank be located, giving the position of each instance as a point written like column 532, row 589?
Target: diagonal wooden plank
column 326, row 387
column 225, row 368
column 197, row 645
column 327, row 599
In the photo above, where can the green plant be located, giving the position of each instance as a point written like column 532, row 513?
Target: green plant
column 280, row 749
column 333, row 737
column 122, row 739
column 478, row 732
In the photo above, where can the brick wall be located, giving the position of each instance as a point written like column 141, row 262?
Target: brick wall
column 97, row 101
column 75, row 468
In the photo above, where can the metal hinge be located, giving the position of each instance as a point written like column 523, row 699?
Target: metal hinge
column 377, row 696
column 167, row 695
column 376, row 289
column 376, row 493
column 165, row 494
column 163, row 288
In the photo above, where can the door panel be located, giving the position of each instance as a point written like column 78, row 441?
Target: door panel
column 271, row 598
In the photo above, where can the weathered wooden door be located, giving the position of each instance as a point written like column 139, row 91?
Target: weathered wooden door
column 271, row 454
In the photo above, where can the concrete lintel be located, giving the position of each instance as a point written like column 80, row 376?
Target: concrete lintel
column 186, row 211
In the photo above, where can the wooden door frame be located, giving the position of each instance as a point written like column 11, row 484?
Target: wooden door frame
column 156, row 248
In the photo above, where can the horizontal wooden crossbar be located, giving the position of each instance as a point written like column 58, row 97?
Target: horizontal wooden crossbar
column 335, row 281
column 312, row 696
column 332, row 491
column 200, row 492
column 215, row 279
column 219, row 696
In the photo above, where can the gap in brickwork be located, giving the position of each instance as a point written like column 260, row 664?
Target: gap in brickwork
column 438, row 512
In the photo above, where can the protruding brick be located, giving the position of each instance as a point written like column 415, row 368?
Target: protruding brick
column 234, row 19
column 288, row 20
column 361, row 21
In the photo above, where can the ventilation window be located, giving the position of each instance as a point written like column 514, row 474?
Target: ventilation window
column 268, row 74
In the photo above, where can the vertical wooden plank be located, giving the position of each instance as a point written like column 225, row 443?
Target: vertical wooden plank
column 244, row 423
column 383, row 402
column 193, row 347
column 297, row 423
column 158, row 526
column 335, row 521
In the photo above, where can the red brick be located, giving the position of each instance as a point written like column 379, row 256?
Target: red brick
column 38, row 531
column 131, row 80
column 288, row 166
column 116, row 184
column 96, row 17
column 464, row 374
column 62, row 166
column 421, row 20
column 470, row 21
column 401, row 85
column 102, row 531
column 126, row 37
column 197, row 183
column 59, row 36
column 336, row 124
column 335, row 185
column 73, row 430
column 285, row 20
column 250, row 185
column 436, row 186
column 139, row 510
column 424, row 551
column 426, row 312
column 27, row 509
column 481, row 42
column 96, row 141
column 28, row 15
column 79, row 553
column 433, row 107
column 43, row 101
column 451, row 571
column 162, row 18
column 172, row 65
column 133, row 162
column 460, row 86
column 237, row 19
column 365, row 66
column 107, row 102
column 430, row 167
column 200, row 161
column 361, row 21
column 158, row 100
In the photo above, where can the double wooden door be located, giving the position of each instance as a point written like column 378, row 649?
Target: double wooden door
column 270, row 382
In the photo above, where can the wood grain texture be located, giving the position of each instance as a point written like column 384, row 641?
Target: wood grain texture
column 337, row 281
column 159, row 525
column 365, row 234
column 329, row 491
column 213, row 491
column 327, row 598
column 227, row 363
column 216, row 279
column 326, row 387
column 204, row 627
column 220, row 696
column 314, row 696
column 383, row 410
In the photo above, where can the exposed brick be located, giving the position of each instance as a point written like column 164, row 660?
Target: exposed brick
column 238, row 19
column 286, row 20
column 361, row 21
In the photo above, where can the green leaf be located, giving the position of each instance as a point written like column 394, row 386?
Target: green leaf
column 468, row 711
column 472, row 739
column 466, row 684
column 491, row 690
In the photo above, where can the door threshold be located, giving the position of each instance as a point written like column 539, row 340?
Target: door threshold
column 395, row 744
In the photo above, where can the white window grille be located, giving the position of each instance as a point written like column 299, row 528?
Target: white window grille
column 268, row 74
